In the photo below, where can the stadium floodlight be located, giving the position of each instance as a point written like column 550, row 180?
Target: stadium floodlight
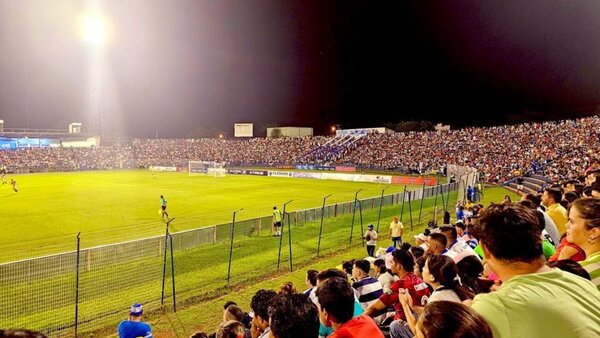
column 93, row 29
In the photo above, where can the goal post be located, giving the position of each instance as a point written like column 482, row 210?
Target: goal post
column 206, row 168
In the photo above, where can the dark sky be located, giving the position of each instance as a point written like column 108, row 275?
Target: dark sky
column 188, row 68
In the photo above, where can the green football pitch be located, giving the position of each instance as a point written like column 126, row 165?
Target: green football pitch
column 107, row 207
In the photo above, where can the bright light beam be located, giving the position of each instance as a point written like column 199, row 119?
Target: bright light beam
column 94, row 30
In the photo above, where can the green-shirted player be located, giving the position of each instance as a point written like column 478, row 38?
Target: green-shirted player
column 276, row 222
column 163, row 206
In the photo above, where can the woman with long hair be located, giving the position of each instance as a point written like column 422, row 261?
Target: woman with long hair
column 442, row 274
column 583, row 229
column 446, row 319
column 470, row 271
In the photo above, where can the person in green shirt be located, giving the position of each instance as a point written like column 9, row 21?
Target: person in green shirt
column 534, row 300
column 163, row 206
column 276, row 221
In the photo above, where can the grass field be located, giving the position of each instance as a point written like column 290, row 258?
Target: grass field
column 108, row 207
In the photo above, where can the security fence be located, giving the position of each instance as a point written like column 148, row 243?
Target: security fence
column 88, row 289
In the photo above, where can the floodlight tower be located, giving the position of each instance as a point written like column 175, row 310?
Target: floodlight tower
column 93, row 30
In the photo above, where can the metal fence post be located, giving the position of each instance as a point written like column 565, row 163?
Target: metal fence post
column 354, row 214
column 290, row 241
column 321, row 227
column 173, row 272
column 164, row 276
column 422, row 199
column 77, row 285
column 380, row 205
column 281, row 235
column 410, row 209
column 232, row 232
column 362, row 230
column 402, row 208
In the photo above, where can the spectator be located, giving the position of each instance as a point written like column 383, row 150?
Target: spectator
column 134, row 327
column 368, row 289
column 231, row 329
column 403, row 267
column 371, row 238
column 572, row 267
column 442, row 274
column 385, row 276
column 460, row 247
column 260, row 313
column 470, row 271
column 549, row 225
column 325, row 331
column 20, row 334
column 233, row 313
column 531, row 293
column 336, row 300
column 396, row 230
column 287, row 288
column 445, row 319
column 437, row 246
column 421, row 241
column 583, row 229
column 311, row 282
column 550, row 199
column 293, row 316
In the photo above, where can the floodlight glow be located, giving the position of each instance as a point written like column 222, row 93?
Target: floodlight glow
column 94, row 30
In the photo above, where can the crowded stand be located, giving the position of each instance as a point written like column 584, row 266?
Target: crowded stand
column 560, row 150
column 492, row 273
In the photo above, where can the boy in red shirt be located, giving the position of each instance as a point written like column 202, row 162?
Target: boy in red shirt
column 336, row 308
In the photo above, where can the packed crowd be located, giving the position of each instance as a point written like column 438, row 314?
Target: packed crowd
column 563, row 149
column 497, row 271
column 560, row 150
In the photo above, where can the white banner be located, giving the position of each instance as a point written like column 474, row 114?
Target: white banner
column 243, row 130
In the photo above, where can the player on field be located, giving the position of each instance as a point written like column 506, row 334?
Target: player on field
column 14, row 185
column 4, row 178
column 163, row 206
column 276, row 221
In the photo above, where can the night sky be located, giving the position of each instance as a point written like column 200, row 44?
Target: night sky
column 194, row 68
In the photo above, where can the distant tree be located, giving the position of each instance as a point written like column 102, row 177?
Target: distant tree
column 276, row 133
column 407, row 126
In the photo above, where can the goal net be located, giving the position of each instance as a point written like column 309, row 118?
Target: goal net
column 206, row 168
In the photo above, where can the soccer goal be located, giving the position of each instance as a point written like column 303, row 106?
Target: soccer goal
column 206, row 168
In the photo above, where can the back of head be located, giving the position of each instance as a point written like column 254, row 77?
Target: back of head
column 554, row 193
column 511, row 233
column 445, row 319
column 535, row 199
column 336, row 297
column 438, row 238
column 417, row 251
column 450, row 232
column 231, row 329
column 380, row 265
column 234, row 312
column 405, row 259
column 570, row 266
column 347, row 266
column 363, row 265
column 311, row 276
column 260, row 303
column 20, row 334
column 469, row 270
column 330, row 273
column 445, row 272
column 287, row 288
column 293, row 316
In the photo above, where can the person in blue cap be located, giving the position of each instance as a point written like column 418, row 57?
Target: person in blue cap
column 371, row 238
column 134, row 327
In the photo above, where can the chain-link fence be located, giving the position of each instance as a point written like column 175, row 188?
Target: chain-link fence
column 86, row 289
